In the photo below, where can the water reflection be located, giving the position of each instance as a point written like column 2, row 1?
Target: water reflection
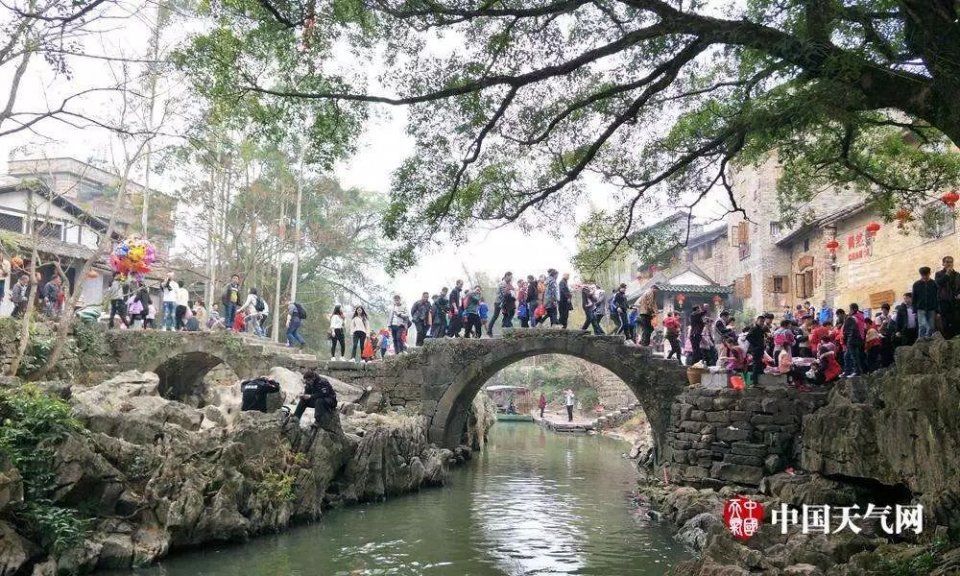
column 534, row 503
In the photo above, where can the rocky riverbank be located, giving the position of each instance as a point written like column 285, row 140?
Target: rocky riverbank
column 885, row 439
column 132, row 476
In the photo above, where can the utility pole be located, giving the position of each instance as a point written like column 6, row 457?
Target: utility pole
column 295, row 278
column 276, row 298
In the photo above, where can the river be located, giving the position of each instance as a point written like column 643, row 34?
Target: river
column 533, row 503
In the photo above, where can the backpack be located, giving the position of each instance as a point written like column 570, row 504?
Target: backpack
column 300, row 311
column 259, row 305
column 522, row 312
column 612, row 305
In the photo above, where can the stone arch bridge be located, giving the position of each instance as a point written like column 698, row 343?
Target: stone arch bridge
column 440, row 379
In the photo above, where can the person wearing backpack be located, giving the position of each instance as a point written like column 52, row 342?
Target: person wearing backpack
column 253, row 308
column 471, row 308
column 532, row 300
column 295, row 316
column 523, row 314
column 231, row 299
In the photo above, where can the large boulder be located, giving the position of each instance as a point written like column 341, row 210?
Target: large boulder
column 129, row 406
column 11, row 483
column 15, row 551
column 898, row 428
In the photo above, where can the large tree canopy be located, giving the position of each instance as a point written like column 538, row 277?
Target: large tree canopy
column 513, row 102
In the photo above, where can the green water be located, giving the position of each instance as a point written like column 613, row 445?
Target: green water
column 533, row 503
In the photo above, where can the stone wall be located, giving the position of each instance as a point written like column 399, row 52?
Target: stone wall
column 725, row 436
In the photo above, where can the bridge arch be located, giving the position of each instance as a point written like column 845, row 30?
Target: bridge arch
column 469, row 364
column 182, row 359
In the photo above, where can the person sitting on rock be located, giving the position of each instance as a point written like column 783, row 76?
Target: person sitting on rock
column 318, row 394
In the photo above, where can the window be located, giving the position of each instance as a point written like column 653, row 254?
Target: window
column 780, row 285
column 806, row 244
column 706, row 251
column 11, row 222
column 803, row 284
column 48, row 229
column 775, row 228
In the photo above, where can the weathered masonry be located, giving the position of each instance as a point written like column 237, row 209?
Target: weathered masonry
column 438, row 379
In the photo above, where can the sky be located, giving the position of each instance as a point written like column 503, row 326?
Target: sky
column 382, row 148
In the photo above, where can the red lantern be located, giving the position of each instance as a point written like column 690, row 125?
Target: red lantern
column 903, row 216
column 950, row 198
column 872, row 228
column 832, row 245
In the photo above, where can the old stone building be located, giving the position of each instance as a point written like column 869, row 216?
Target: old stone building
column 769, row 265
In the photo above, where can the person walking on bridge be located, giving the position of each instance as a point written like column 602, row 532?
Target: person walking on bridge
column 533, row 300
column 170, row 290
column 295, row 317
column 566, row 300
column 398, row 324
column 359, row 326
column 505, row 285
column 648, row 309
column 231, row 299
column 337, row 322
column 551, row 296
column 456, row 295
column 441, row 307
column 472, row 311
column 420, row 313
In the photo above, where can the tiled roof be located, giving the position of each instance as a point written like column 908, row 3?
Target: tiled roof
column 695, row 289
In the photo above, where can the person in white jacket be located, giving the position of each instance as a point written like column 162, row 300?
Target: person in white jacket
column 360, row 326
column 171, row 290
column 337, row 322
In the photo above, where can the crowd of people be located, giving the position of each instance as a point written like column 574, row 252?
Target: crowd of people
column 841, row 342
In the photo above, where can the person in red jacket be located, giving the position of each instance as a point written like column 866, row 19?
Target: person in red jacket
column 671, row 331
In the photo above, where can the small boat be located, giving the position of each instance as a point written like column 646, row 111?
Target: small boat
column 513, row 403
column 506, row 417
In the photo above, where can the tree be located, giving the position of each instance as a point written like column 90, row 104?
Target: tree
column 52, row 35
column 657, row 98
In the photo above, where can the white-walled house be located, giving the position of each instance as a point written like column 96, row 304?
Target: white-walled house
column 64, row 232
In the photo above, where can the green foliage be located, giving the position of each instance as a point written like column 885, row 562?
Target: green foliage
column 277, row 487
column 596, row 246
column 917, row 562
column 33, row 424
column 91, row 343
column 38, row 350
column 654, row 100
